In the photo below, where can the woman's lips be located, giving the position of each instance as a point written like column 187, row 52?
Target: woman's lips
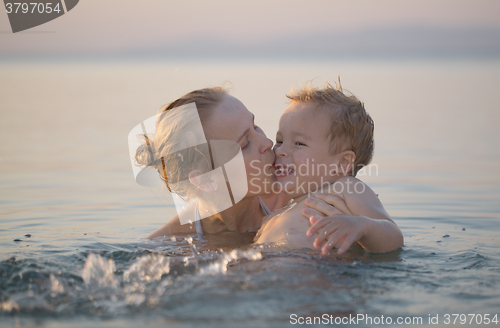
column 272, row 168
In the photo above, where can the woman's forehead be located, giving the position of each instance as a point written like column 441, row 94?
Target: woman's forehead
column 229, row 120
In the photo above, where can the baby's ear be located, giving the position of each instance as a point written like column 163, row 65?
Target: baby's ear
column 202, row 181
column 346, row 162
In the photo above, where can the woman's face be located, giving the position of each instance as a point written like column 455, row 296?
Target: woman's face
column 231, row 120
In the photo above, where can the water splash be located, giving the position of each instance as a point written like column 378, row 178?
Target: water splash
column 149, row 276
column 220, row 266
column 148, row 267
column 98, row 272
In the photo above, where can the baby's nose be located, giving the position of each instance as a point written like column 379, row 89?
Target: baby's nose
column 279, row 150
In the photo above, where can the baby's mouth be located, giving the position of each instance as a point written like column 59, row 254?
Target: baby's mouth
column 282, row 171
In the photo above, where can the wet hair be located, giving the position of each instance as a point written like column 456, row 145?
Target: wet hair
column 174, row 131
column 351, row 126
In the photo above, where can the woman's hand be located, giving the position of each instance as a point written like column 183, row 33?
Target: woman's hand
column 322, row 205
column 336, row 226
column 333, row 221
column 333, row 229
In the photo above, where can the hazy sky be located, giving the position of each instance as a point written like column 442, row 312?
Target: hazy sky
column 119, row 26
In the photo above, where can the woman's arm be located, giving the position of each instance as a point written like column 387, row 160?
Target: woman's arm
column 172, row 227
column 323, row 204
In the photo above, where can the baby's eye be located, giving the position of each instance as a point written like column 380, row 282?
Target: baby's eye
column 299, row 144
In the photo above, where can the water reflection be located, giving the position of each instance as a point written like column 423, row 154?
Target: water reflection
column 65, row 180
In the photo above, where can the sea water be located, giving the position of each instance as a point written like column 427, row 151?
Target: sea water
column 73, row 221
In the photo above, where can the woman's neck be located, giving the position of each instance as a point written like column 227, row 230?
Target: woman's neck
column 246, row 215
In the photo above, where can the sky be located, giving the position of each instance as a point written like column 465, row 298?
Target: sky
column 262, row 28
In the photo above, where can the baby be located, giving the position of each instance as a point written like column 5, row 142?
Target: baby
column 325, row 137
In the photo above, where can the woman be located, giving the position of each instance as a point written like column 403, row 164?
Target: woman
column 222, row 117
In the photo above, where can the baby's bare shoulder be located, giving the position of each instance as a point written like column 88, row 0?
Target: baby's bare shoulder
column 348, row 181
column 285, row 221
column 349, row 186
column 361, row 199
column 294, row 214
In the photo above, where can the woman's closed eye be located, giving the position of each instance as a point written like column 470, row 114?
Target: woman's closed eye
column 258, row 130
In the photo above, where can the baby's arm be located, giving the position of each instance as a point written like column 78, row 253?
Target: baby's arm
column 370, row 226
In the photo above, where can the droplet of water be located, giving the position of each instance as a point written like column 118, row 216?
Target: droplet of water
column 135, row 299
column 8, row 306
column 56, row 287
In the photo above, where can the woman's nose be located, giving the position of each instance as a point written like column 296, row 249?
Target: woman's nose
column 266, row 144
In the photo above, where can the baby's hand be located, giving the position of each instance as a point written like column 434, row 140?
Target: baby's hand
column 333, row 229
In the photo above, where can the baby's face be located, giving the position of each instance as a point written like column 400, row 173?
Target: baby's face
column 302, row 149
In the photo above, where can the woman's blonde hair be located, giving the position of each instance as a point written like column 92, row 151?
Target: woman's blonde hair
column 175, row 131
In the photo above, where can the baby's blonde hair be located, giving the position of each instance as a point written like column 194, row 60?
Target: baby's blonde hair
column 173, row 132
column 351, row 126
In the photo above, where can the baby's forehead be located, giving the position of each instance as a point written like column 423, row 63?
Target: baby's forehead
column 312, row 109
column 308, row 110
column 308, row 117
column 296, row 106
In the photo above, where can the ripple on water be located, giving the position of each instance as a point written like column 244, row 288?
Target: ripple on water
column 183, row 279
